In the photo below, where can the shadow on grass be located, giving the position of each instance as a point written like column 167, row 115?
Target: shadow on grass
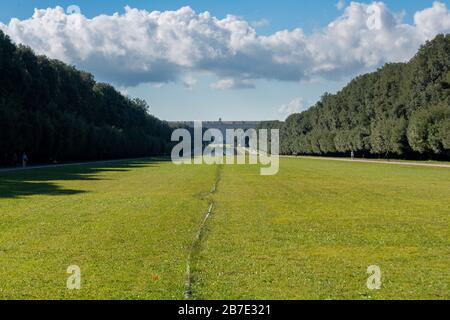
column 17, row 184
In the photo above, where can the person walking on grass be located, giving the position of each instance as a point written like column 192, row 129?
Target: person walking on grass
column 352, row 154
column 24, row 160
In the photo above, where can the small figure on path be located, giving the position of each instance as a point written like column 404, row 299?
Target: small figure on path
column 353, row 155
column 24, row 160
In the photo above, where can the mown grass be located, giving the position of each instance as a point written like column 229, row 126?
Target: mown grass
column 312, row 231
column 128, row 226
column 427, row 162
column 308, row 233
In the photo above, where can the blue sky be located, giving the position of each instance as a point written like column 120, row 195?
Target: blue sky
column 281, row 14
column 262, row 96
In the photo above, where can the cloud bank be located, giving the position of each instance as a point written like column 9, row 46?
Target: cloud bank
column 143, row 47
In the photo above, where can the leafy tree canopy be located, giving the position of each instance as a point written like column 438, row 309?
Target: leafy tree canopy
column 400, row 110
column 54, row 112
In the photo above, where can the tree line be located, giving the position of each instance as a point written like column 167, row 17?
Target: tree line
column 401, row 110
column 54, row 112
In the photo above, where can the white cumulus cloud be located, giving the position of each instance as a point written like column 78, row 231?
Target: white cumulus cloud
column 260, row 23
column 158, row 47
column 189, row 82
column 230, row 83
column 297, row 105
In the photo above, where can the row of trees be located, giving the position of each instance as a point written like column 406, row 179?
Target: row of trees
column 54, row 112
column 401, row 110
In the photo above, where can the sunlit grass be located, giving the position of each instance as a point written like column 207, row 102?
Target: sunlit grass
column 127, row 226
column 312, row 231
column 309, row 232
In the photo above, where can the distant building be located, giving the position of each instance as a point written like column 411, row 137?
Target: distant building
column 223, row 126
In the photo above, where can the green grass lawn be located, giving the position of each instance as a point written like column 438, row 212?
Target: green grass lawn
column 432, row 162
column 128, row 226
column 312, row 231
column 308, row 233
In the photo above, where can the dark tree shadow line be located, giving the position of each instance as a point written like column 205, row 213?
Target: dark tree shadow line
column 23, row 183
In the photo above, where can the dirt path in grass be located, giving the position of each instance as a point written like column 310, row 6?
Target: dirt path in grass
column 417, row 164
column 196, row 244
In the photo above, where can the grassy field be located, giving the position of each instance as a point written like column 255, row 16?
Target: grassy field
column 127, row 226
column 308, row 233
column 312, row 231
